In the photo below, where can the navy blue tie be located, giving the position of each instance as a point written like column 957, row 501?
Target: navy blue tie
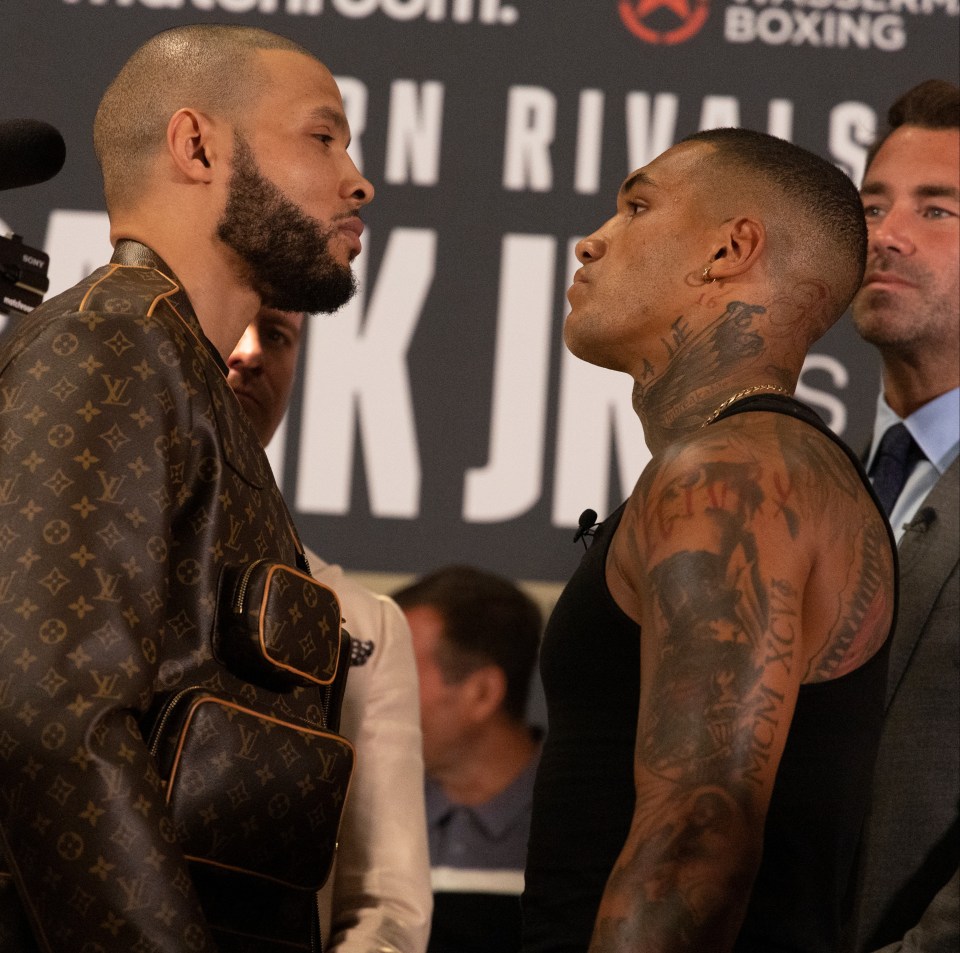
column 896, row 456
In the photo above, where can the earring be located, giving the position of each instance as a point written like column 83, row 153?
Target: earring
column 706, row 275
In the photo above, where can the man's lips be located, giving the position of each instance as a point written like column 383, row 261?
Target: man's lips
column 890, row 279
column 579, row 280
column 353, row 228
column 246, row 397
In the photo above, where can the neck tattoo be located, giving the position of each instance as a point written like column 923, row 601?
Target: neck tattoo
column 756, row 389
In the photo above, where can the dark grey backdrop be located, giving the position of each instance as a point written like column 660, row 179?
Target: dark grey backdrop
column 496, row 133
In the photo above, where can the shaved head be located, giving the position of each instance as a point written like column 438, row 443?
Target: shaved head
column 209, row 67
column 811, row 210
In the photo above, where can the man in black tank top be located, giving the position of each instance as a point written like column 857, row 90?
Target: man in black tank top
column 703, row 784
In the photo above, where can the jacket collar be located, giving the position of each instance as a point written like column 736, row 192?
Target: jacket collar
column 135, row 254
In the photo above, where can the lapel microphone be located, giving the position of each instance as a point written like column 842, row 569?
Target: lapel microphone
column 921, row 522
column 587, row 526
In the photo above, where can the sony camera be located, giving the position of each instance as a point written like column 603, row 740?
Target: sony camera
column 23, row 275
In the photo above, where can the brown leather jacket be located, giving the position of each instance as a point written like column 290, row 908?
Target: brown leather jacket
column 129, row 477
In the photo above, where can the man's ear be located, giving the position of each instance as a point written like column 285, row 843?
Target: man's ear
column 486, row 689
column 744, row 241
column 192, row 144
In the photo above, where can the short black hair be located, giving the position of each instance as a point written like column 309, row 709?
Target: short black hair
column 486, row 620
column 811, row 192
column 210, row 66
column 811, row 181
column 932, row 104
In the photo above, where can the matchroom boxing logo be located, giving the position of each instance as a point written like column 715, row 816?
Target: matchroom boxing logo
column 664, row 22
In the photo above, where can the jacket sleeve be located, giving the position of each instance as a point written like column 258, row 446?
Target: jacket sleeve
column 380, row 890
column 98, row 447
column 939, row 928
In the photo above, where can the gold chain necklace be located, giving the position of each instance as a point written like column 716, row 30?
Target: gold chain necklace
column 769, row 388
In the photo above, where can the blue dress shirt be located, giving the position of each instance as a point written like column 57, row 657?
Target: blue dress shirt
column 936, row 429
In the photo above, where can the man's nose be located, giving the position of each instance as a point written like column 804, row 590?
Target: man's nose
column 247, row 355
column 893, row 232
column 590, row 248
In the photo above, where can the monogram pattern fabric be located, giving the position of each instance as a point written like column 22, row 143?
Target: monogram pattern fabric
column 128, row 477
column 279, row 627
column 262, row 810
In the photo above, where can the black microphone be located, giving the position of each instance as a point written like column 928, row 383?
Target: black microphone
column 587, row 524
column 30, row 152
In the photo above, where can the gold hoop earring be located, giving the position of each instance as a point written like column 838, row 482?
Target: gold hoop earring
column 706, row 276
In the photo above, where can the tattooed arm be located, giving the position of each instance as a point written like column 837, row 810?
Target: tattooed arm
column 714, row 557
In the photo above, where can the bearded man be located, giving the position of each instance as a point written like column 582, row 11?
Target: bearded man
column 135, row 479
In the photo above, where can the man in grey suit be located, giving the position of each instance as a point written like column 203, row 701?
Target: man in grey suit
column 908, row 897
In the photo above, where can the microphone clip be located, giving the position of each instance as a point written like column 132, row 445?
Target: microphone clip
column 922, row 521
column 587, row 526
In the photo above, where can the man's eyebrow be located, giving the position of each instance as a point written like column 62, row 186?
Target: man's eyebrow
column 274, row 318
column 282, row 321
column 638, row 178
column 920, row 191
column 331, row 115
column 938, row 192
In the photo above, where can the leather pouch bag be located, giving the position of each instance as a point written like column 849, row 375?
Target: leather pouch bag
column 278, row 628
column 250, row 792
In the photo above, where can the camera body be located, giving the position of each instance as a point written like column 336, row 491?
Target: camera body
column 23, row 275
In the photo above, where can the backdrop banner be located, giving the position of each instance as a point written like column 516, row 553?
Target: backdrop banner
column 438, row 417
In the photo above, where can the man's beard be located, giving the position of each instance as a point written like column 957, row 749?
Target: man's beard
column 285, row 251
column 881, row 316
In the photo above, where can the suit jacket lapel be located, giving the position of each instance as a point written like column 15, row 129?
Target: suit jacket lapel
column 927, row 555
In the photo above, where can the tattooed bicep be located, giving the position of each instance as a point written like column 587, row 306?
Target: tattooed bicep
column 722, row 610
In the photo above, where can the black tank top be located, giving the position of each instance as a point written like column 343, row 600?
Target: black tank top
column 584, row 792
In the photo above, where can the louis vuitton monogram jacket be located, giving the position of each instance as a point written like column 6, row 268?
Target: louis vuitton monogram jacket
column 129, row 477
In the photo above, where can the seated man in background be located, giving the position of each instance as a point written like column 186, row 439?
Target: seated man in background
column 378, row 897
column 475, row 637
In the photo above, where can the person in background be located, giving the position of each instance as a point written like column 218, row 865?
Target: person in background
column 132, row 481
column 378, row 897
column 908, row 898
column 476, row 638
column 714, row 669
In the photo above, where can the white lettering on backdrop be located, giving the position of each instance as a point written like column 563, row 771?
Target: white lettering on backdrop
column 357, row 386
